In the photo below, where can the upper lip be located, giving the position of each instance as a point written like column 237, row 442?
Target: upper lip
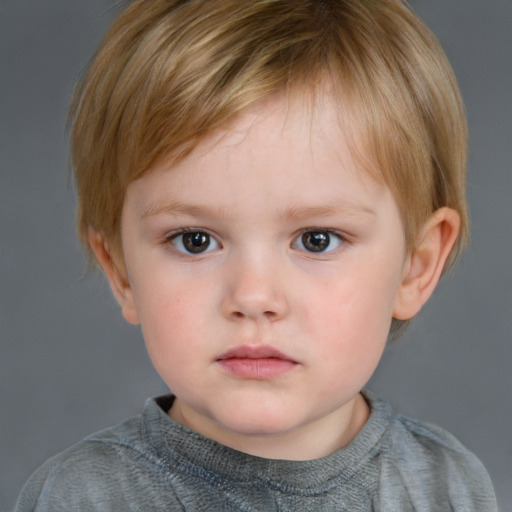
column 254, row 352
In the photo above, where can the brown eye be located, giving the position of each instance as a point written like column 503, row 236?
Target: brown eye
column 318, row 241
column 315, row 241
column 194, row 242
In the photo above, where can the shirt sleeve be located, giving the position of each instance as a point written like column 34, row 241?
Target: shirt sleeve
column 96, row 476
column 427, row 468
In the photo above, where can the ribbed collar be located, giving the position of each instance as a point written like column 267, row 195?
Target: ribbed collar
column 180, row 449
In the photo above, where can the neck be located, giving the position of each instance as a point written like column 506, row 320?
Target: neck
column 311, row 441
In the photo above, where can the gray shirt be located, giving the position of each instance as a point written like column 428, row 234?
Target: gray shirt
column 153, row 463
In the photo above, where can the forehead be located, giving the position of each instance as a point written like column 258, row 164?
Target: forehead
column 310, row 124
column 278, row 151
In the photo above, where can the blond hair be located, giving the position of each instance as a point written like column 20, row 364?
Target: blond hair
column 170, row 72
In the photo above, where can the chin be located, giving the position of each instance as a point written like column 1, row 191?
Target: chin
column 257, row 422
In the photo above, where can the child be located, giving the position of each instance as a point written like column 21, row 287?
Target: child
column 272, row 188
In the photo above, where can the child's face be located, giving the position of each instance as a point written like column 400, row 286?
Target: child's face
column 264, row 270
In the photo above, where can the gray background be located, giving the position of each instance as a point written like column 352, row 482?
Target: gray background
column 69, row 365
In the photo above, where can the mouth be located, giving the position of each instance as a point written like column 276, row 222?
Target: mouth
column 256, row 363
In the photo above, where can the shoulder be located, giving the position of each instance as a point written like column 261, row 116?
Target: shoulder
column 102, row 472
column 432, row 466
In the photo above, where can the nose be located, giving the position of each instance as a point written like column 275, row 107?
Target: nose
column 255, row 289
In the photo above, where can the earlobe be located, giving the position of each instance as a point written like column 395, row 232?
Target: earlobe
column 116, row 275
column 425, row 264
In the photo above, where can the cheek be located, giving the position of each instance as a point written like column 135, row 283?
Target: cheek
column 352, row 319
column 361, row 304
column 172, row 317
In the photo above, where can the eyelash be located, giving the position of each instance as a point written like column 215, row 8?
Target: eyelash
column 176, row 239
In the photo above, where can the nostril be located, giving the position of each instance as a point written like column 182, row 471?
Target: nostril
column 251, row 300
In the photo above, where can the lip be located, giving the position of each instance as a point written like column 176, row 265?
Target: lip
column 256, row 362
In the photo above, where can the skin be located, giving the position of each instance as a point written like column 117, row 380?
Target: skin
column 251, row 192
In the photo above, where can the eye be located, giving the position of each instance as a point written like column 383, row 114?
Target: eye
column 318, row 240
column 193, row 242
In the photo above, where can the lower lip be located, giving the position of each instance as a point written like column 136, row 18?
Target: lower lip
column 257, row 369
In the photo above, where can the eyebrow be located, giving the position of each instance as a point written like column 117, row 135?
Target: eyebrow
column 295, row 213
column 346, row 208
column 181, row 208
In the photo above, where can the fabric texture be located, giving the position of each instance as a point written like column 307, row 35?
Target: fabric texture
column 151, row 463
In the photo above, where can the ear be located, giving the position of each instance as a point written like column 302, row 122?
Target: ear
column 116, row 275
column 424, row 266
